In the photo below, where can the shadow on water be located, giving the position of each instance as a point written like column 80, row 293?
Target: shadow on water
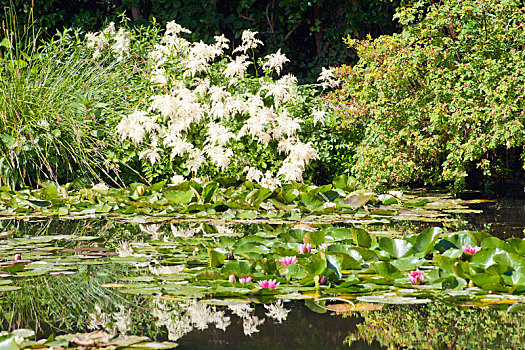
column 80, row 302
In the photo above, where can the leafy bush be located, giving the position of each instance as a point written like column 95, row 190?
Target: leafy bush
column 441, row 100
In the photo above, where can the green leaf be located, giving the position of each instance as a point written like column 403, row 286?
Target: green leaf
column 345, row 183
column 50, row 192
column 312, row 305
column 239, row 267
column 315, row 238
column 386, row 269
column 311, row 200
column 514, row 308
column 361, row 237
column 178, row 197
column 408, row 264
column 316, row 266
column 158, row 186
column 257, row 196
column 208, row 191
column 425, row 240
column 398, row 248
column 7, row 342
column 217, row 256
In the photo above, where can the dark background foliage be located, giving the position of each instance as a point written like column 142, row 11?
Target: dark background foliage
column 308, row 32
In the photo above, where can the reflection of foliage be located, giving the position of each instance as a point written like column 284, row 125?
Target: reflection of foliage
column 438, row 326
column 66, row 303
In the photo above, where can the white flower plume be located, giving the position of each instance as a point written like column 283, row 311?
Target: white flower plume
column 276, row 61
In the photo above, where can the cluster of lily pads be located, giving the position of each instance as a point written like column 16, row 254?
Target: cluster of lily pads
column 298, row 263
column 25, row 339
column 225, row 200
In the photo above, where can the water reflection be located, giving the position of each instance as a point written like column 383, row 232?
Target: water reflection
column 80, row 302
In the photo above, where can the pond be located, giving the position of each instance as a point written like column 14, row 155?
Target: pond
column 167, row 284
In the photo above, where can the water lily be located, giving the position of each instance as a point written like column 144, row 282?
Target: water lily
column 245, row 279
column 416, row 277
column 231, row 279
column 268, row 284
column 471, row 250
column 288, row 260
column 305, row 248
column 18, row 256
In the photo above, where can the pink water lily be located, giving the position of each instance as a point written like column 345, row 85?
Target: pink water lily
column 267, row 284
column 471, row 250
column 305, row 248
column 417, row 277
column 245, row 279
column 288, row 260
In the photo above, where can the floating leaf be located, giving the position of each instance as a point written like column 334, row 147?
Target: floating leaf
column 396, row 247
column 177, row 197
column 358, row 198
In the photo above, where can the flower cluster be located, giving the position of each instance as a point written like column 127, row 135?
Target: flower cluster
column 206, row 113
column 117, row 41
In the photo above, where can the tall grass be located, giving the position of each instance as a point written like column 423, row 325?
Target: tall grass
column 58, row 108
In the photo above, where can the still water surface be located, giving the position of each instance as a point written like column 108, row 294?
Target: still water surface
column 58, row 304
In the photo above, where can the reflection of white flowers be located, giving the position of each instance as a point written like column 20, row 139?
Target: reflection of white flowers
column 277, row 311
column 151, row 229
column 250, row 325
column 220, row 320
column 97, row 319
column 123, row 320
column 166, row 270
column 241, row 310
column 125, row 250
column 178, row 231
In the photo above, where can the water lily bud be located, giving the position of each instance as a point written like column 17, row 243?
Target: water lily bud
column 140, row 190
column 323, row 280
column 18, row 256
column 231, row 279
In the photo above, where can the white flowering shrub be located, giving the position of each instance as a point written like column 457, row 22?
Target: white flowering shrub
column 205, row 115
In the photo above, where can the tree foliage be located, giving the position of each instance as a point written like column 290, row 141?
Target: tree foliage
column 309, row 32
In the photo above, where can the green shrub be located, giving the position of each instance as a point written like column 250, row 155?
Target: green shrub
column 441, row 100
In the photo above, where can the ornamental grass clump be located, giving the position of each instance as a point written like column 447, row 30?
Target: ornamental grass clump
column 206, row 114
column 59, row 105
